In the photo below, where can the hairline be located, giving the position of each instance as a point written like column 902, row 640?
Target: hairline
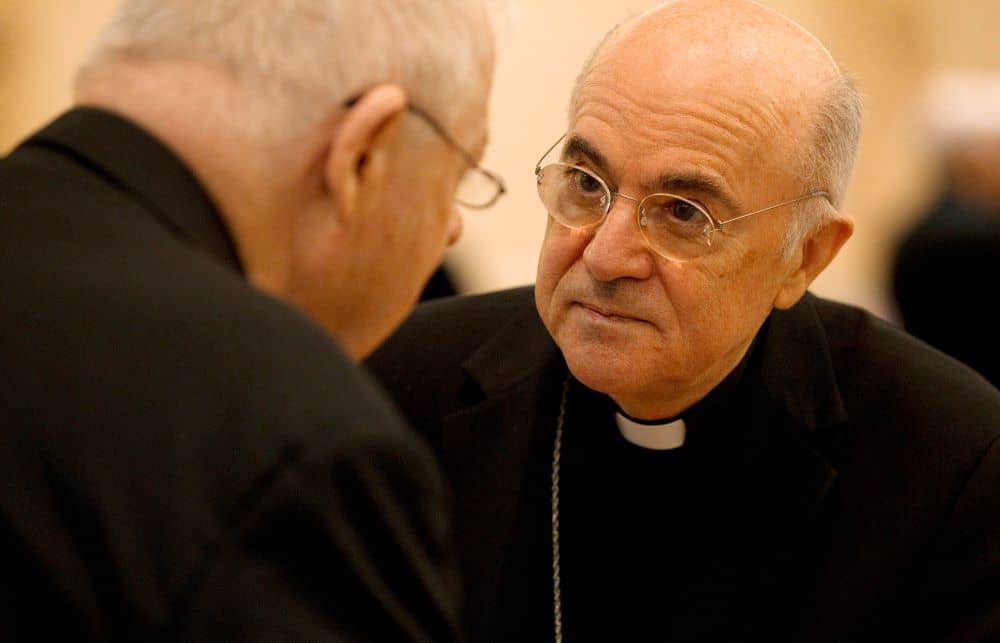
column 292, row 84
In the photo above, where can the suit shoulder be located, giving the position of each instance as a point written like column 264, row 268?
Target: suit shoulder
column 453, row 327
column 480, row 311
column 422, row 364
column 896, row 375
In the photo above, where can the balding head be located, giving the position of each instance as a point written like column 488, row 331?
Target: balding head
column 791, row 98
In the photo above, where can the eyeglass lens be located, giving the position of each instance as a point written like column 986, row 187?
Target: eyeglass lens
column 673, row 226
column 477, row 189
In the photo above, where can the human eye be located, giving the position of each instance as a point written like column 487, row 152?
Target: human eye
column 673, row 217
column 674, row 211
column 584, row 182
column 583, row 190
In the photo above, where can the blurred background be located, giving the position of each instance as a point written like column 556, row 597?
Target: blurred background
column 892, row 47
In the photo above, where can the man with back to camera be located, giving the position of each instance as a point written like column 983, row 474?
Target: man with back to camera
column 668, row 438
column 246, row 199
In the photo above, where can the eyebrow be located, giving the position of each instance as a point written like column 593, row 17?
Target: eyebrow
column 699, row 183
column 577, row 146
column 683, row 182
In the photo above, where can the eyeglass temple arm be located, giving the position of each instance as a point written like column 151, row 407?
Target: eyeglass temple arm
column 811, row 195
column 434, row 125
column 470, row 161
column 538, row 166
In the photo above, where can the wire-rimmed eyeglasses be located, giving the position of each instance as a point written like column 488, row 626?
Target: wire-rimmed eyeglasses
column 479, row 188
column 673, row 226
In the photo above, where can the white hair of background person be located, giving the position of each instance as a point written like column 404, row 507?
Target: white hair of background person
column 302, row 58
column 827, row 159
column 960, row 106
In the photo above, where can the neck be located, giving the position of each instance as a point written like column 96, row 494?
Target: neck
column 200, row 113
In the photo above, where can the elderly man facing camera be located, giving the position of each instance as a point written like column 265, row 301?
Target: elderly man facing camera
column 246, row 200
column 670, row 438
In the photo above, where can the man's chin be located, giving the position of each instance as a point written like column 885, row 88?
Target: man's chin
column 599, row 369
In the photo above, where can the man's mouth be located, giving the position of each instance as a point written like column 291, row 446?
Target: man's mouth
column 607, row 313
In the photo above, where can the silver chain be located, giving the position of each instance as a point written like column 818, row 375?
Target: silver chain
column 556, row 454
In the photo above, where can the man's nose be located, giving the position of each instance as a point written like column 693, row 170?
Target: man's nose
column 617, row 250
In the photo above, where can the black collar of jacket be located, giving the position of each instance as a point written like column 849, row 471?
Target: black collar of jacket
column 143, row 167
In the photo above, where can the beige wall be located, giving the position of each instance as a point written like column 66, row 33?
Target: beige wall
column 40, row 43
column 889, row 45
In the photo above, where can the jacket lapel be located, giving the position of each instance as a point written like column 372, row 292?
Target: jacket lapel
column 498, row 453
column 788, row 461
column 806, row 416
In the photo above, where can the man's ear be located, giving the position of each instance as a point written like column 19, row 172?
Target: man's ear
column 357, row 148
column 812, row 257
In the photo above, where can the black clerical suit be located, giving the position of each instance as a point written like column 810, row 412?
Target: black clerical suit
column 842, row 484
column 184, row 457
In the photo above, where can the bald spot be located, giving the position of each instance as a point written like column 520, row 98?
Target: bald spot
column 735, row 56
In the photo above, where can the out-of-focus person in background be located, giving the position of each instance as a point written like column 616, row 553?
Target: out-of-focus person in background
column 946, row 266
column 246, row 198
column 668, row 438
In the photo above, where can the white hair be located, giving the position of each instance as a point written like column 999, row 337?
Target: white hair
column 305, row 57
column 827, row 160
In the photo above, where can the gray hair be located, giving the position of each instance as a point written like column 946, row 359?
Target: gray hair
column 827, row 160
column 305, row 57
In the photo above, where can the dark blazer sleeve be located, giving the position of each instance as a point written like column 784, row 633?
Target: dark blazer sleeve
column 347, row 543
column 969, row 557
column 344, row 533
column 915, row 544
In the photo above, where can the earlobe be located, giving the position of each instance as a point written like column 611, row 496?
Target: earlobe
column 356, row 153
column 814, row 255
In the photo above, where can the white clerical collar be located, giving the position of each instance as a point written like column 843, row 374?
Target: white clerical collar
column 659, row 437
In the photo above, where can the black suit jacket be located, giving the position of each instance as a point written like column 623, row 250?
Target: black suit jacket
column 183, row 457
column 859, row 499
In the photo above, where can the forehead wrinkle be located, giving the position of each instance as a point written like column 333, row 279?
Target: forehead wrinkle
column 720, row 135
column 756, row 118
column 734, row 121
column 740, row 120
column 731, row 134
column 703, row 165
column 711, row 154
column 674, row 180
